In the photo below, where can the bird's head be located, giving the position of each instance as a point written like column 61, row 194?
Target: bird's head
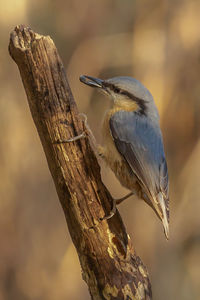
column 125, row 92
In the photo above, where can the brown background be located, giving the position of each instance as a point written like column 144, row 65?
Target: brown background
column 157, row 42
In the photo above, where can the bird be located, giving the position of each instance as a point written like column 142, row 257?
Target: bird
column 132, row 142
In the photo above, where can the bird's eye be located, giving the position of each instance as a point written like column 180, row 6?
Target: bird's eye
column 117, row 90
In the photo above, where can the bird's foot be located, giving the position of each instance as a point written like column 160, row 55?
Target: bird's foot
column 112, row 212
column 77, row 137
column 73, row 139
column 114, row 206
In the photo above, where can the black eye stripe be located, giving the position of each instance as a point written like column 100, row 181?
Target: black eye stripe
column 141, row 103
column 113, row 87
column 117, row 90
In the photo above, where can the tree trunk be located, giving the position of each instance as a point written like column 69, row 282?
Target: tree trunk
column 109, row 264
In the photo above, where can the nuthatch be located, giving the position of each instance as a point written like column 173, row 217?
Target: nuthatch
column 133, row 145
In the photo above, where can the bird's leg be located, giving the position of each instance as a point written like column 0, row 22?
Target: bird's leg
column 114, row 207
column 120, row 200
column 88, row 130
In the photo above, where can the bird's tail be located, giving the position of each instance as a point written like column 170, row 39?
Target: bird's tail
column 163, row 212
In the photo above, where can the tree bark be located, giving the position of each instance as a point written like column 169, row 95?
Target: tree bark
column 110, row 266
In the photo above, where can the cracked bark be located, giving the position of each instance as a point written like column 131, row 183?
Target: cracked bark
column 110, row 266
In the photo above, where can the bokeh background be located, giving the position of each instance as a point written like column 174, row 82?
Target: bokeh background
column 157, row 42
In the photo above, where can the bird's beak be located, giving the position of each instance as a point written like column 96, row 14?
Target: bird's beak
column 92, row 81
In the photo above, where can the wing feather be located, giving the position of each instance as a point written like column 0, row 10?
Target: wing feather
column 140, row 143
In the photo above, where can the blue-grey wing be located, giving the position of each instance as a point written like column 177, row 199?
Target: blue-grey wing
column 140, row 143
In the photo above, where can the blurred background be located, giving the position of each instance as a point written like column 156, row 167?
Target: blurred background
column 157, row 42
